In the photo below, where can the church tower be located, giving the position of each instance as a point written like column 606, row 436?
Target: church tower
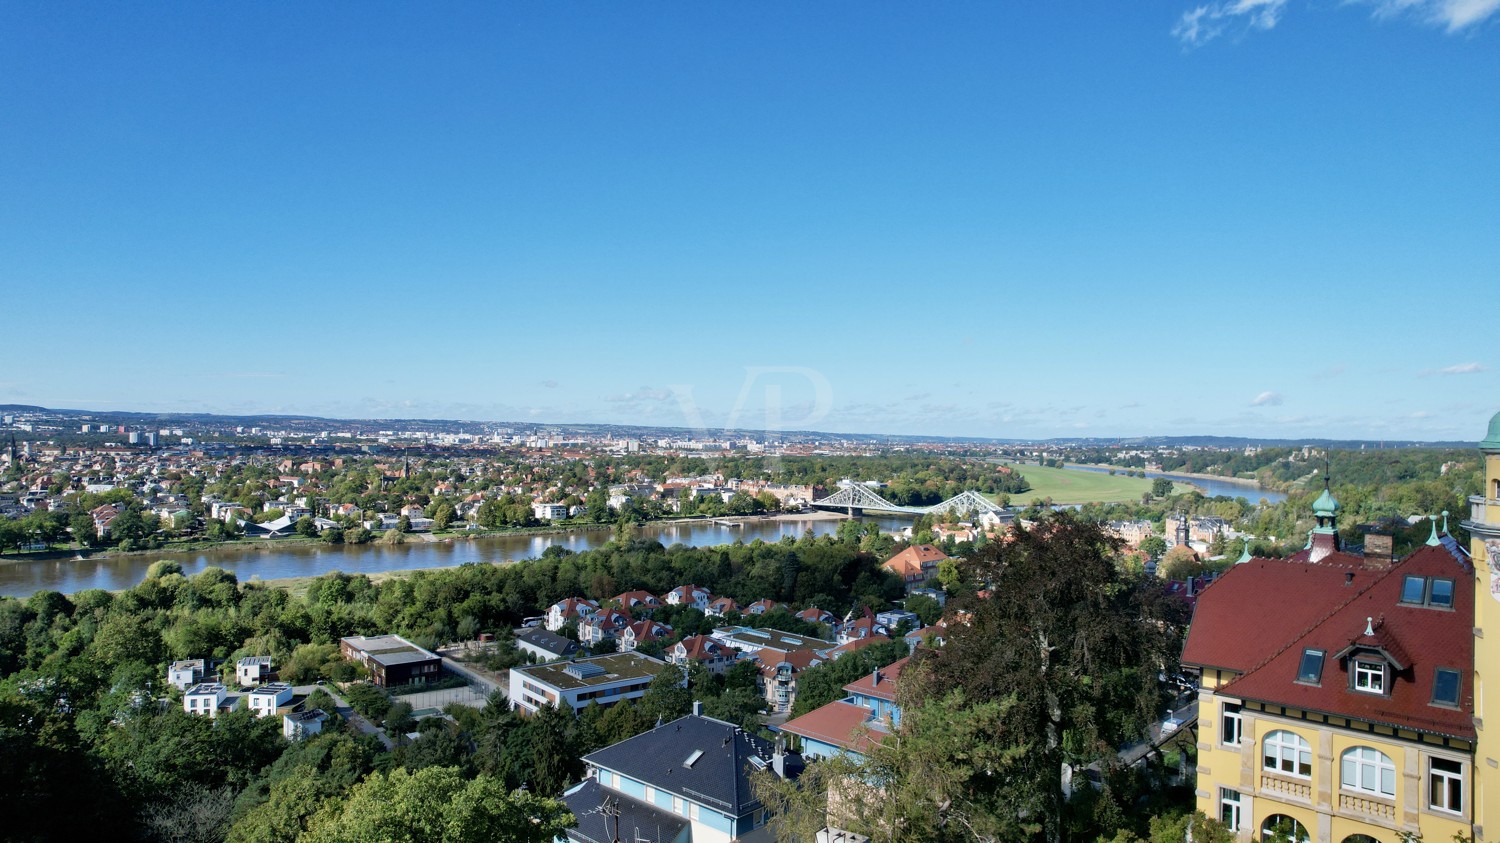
column 1484, row 531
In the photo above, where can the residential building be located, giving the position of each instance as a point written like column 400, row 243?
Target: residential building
column 206, row 699
column 549, row 511
column 638, row 601
column 267, row 698
column 608, row 679
column 1483, row 525
column 916, row 564
column 603, row 626
column 751, row 641
column 690, row 595
column 300, row 725
column 853, row 724
column 778, row 675
column 687, row 781
column 762, row 606
column 573, row 609
column 252, row 670
column 715, row 656
column 1337, row 699
column 545, row 646
column 641, row 632
column 186, row 673
column 721, row 606
column 392, row 660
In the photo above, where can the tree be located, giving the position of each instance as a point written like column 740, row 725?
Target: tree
column 306, row 527
column 443, row 516
column 926, row 608
column 1077, row 644
column 1180, row 563
column 1161, row 487
column 438, row 804
column 1154, row 546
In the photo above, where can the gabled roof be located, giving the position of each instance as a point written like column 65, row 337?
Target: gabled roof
column 1416, row 640
column 882, row 683
column 915, row 559
column 839, row 723
column 718, row 777
column 1231, row 626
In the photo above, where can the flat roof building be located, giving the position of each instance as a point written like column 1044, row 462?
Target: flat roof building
column 391, row 659
column 607, row 679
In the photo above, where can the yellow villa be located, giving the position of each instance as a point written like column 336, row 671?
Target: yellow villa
column 1342, row 696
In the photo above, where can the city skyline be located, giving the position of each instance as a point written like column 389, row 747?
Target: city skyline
column 1236, row 219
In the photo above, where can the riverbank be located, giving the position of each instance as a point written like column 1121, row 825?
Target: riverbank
column 446, row 536
column 1237, row 481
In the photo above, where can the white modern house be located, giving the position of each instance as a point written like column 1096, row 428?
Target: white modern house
column 300, row 725
column 575, row 684
column 206, row 699
column 186, row 673
column 252, row 670
column 267, row 698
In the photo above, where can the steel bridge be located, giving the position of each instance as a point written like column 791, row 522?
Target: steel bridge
column 857, row 498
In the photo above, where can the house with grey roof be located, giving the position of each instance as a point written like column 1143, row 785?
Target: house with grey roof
column 686, row 781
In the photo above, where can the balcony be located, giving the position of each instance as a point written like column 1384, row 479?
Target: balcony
column 1277, row 786
column 1365, row 807
column 1478, row 508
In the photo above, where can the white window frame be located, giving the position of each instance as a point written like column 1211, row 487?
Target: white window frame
column 1287, row 749
column 1232, row 725
column 1361, row 765
column 1447, row 779
column 1229, row 804
column 1369, row 677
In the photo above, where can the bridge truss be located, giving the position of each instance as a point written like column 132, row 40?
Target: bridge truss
column 858, row 498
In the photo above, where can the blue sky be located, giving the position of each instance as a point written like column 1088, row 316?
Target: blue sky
column 1251, row 217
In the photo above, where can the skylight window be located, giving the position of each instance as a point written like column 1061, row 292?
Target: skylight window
column 1413, row 589
column 1442, row 594
column 693, row 759
column 1445, row 686
column 1311, row 670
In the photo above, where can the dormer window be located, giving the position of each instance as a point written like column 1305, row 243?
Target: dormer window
column 1369, row 677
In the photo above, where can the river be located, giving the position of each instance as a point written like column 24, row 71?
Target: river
column 270, row 560
column 1212, row 488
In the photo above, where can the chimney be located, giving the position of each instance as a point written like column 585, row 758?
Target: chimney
column 1378, row 546
column 697, row 708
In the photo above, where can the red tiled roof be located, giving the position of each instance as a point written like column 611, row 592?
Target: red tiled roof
column 839, row 723
column 885, row 689
column 1230, row 625
column 1422, row 639
column 915, row 559
column 857, row 644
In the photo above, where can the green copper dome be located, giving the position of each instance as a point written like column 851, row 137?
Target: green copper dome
column 1492, row 442
column 1325, row 504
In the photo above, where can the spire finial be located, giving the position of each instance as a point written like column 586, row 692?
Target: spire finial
column 1244, row 554
column 1445, row 523
column 1433, row 539
column 1369, row 626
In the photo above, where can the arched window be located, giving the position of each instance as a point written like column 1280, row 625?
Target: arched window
column 1287, row 752
column 1369, row 770
column 1360, row 838
column 1280, row 828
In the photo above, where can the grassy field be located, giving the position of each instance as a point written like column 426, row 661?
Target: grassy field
column 1065, row 486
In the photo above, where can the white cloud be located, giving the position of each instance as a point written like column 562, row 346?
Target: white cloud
column 1456, row 369
column 1451, row 15
column 1267, row 399
column 1202, row 24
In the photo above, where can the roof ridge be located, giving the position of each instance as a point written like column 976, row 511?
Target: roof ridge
column 1315, row 624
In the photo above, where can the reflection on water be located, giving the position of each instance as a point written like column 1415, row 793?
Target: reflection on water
column 270, row 560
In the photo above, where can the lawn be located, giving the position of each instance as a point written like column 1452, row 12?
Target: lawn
column 1065, row 486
